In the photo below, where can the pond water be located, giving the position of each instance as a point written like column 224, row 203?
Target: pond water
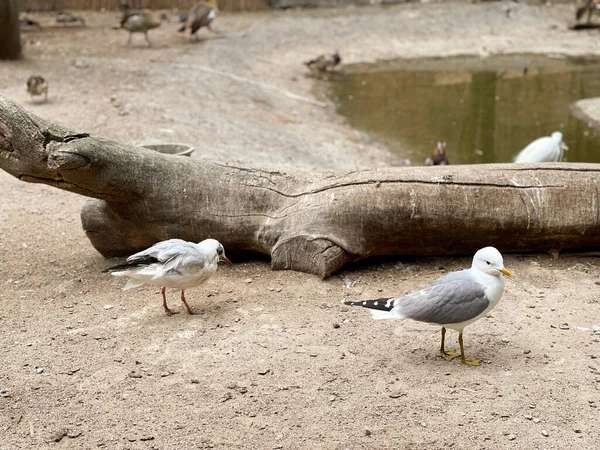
column 486, row 109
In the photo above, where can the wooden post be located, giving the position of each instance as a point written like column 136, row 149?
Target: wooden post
column 10, row 33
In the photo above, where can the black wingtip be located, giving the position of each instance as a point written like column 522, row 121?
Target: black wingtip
column 382, row 304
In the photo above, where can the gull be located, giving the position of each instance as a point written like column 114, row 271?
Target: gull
column 173, row 263
column 545, row 149
column 453, row 301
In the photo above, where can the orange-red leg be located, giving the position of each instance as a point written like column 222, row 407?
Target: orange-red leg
column 189, row 310
column 167, row 310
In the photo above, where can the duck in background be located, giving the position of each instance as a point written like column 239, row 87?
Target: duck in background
column 28, row 23
column 324, row 63
column 65, row 17
column 201, row 15
column 36, row 85
column 438, row 158
column 140, row 22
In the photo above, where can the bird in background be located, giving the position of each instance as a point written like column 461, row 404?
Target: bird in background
column 453, row 301
column 590, row 6
column 201, row 15
column 36, row 85
column 140, row 22
column 545, row 149
column 173, row 263
column 324, row 63
column 68, row 17
column 27, row 22
column 438, row 158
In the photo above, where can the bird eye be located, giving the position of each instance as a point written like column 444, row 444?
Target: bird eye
column 219, row 251
column 488, row 263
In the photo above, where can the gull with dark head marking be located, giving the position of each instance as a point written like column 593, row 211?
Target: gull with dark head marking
column 174, row 263
column 453, row 301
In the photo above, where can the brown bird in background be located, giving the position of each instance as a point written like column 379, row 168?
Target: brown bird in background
column 439, row 156
column 201, row 15
column 67, row 17
column 36, row 85
column 589, row 7
column 140, row 22
column 324, row 63
column 27, row 22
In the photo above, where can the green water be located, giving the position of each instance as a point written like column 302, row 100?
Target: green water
column 486, row 109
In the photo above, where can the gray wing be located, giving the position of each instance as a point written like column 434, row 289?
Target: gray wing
column 454, row 298
column 172, row 253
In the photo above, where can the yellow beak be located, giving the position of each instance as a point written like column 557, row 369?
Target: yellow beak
column 506, row 272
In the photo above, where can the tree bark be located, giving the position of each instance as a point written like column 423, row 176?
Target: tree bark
column 311, row 222
column 10, row 33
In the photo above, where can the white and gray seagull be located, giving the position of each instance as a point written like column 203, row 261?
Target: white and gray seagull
column 173, row 263
column 452, row 301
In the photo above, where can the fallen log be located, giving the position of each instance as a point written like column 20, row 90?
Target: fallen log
column 310, row 222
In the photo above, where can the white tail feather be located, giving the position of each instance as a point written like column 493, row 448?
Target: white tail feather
column 381, row 315
column 133, row 283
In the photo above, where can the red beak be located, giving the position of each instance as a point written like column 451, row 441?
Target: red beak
column 226, row 260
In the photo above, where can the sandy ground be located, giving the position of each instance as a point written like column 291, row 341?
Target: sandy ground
column 273, row 360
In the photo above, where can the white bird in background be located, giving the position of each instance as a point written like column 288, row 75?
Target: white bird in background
column 174, row 263
column 544, row 149
column 453, row 301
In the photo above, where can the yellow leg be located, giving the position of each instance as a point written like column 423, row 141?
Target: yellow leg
column 468, row 361
column 447, row 355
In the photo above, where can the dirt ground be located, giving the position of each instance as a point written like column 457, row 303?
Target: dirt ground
column 273, row 360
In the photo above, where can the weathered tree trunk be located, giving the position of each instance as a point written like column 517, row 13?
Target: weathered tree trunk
column 10, row 33
column 308, row 222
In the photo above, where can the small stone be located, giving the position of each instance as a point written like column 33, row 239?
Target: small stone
column 511, row 437
column 39, row 370
column 73, row 434
column 336, row 325
column 58, row 435
column 536, row 420
column 248, row 280
column 134, row 374
column 107, row 307
column 147, row 438
column 4, row 393
column 264, row 371
column 195, row 381
column 564, row 326
column 577, row 430
column 526, row 352
column 368, row 432
column 545, row 433
column 397, row 394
